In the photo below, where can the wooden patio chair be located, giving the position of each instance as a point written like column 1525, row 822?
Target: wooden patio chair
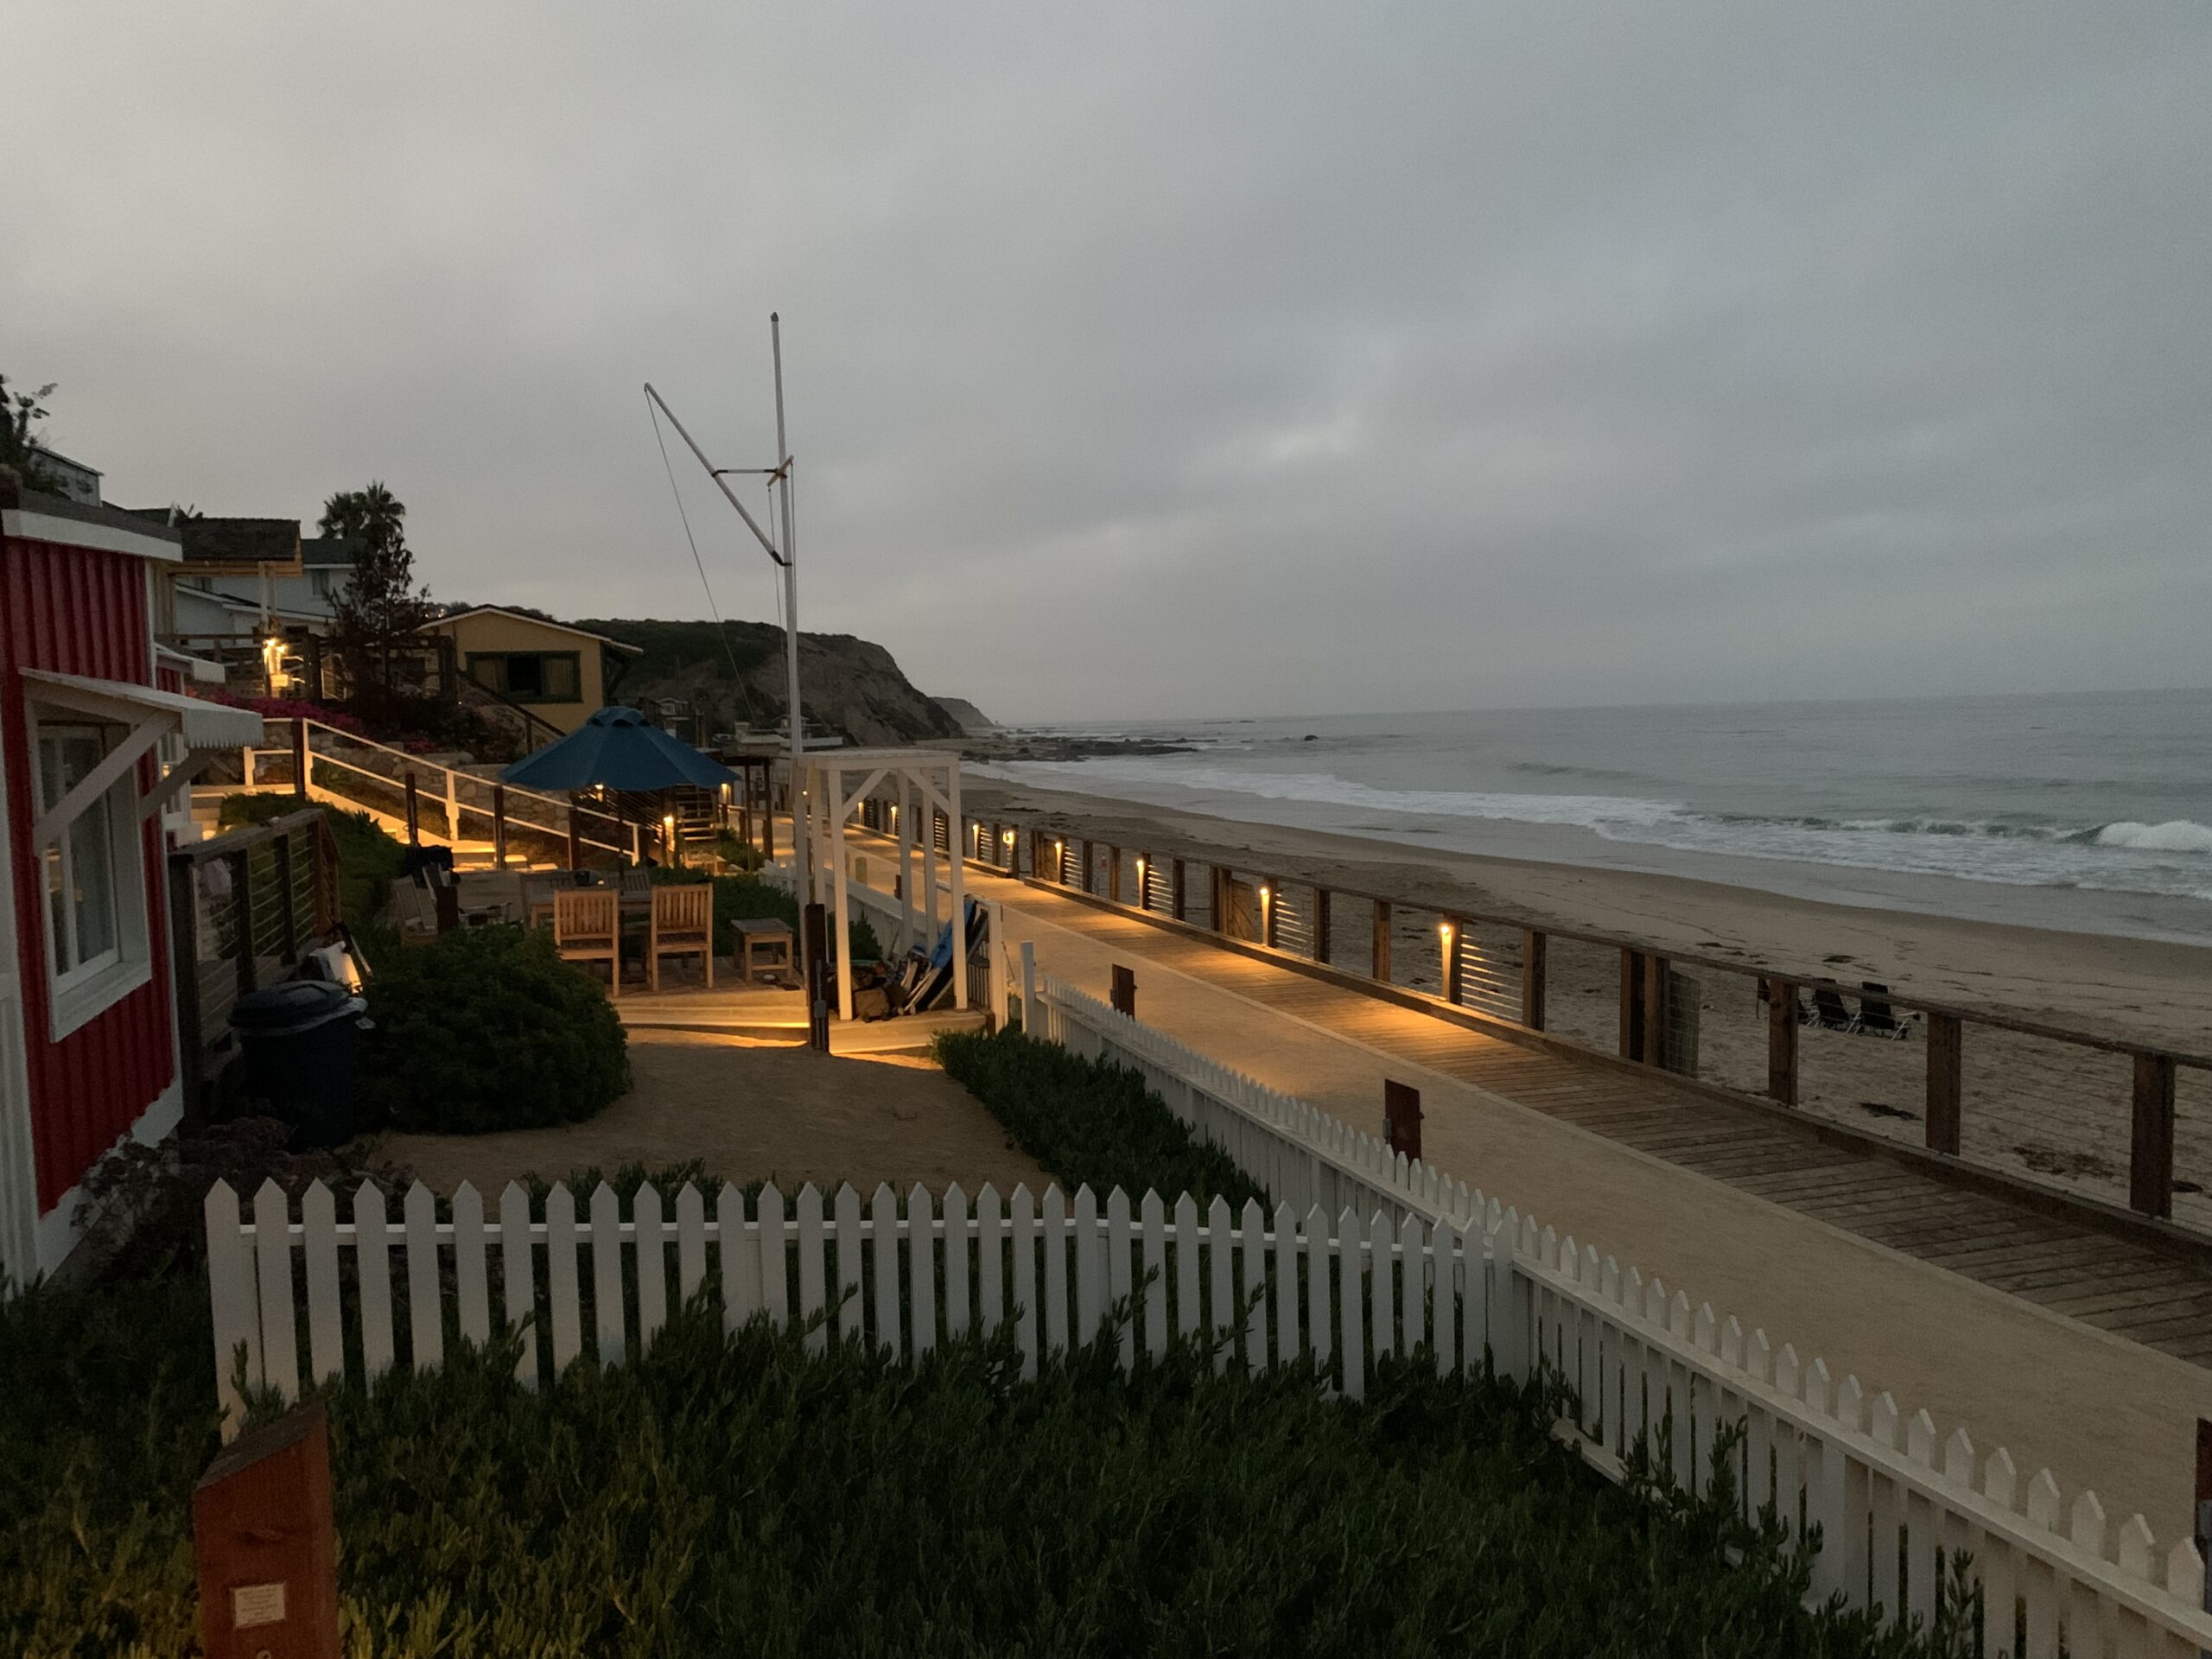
column 587, row 927
column 683, row 922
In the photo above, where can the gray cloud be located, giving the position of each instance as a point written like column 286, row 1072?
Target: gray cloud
column 1169, row 359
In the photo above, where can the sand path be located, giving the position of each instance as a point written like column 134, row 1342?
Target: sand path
column 752, row 1111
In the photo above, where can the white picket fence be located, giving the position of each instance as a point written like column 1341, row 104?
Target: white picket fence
column 1363, row 1255
column 1865, row 1471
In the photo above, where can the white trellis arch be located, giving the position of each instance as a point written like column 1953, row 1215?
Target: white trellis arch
column 838, row 781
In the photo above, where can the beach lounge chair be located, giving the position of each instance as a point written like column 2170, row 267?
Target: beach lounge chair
column 683, row 926
column 1876, row 1017
column 587, row 927
column 1830, row 1012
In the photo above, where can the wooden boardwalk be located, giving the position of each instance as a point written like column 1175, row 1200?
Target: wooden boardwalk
column 2072, row 1267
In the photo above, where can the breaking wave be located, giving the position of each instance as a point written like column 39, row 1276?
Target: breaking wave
column 2172, row 859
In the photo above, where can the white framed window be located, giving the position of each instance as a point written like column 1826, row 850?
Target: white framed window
column 92, row 876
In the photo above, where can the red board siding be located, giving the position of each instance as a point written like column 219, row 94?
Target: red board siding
column 75, row 610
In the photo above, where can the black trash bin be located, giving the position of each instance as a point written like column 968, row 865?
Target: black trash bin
column 298, row 1044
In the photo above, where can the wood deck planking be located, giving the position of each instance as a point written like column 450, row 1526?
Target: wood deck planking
column 2074, row 1268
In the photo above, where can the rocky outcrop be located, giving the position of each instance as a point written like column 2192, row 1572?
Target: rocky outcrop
column 972, row 721
column 736, row 678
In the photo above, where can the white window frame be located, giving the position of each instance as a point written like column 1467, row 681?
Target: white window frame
column 82, row 994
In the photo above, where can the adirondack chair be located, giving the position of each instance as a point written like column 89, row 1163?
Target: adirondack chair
column 683, row 926
column 1830, row 1012
column 1876, row 1016
column 587, row 927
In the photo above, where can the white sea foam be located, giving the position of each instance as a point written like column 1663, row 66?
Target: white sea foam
column 2173, row 858
column 2175, row 835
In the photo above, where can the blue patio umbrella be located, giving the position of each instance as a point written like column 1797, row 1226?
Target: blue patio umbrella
column 616, row 748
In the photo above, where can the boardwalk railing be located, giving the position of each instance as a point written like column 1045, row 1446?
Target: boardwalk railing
column 1634, row 1353
column 2100, row 1121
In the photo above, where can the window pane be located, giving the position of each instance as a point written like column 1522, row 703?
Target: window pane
column 91, row 871
column 561, row 678
column 525, row 677
column 486, row 671
column 80, row 871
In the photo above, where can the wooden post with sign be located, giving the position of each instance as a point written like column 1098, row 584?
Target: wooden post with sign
column 1382, row 940
column 1401, row 1118
column 266, row 1544
column 1124, row 992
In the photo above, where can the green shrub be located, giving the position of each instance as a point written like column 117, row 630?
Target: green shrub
column 486, row 1028
column 368, row 859
column 734, row 1493
column 737, row 852
column 1089, row 1123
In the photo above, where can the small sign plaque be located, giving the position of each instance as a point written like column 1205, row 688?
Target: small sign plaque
column 256, row 1604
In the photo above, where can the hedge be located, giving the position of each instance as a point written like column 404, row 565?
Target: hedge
column 486, row 1028
column 1089, row 1123
column 735, row 1493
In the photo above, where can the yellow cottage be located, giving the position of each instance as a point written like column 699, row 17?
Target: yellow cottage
column 561, row 674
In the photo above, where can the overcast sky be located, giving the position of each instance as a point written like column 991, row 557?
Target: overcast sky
column 1182, row 359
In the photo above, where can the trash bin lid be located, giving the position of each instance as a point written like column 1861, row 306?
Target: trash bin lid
column 297, row 1004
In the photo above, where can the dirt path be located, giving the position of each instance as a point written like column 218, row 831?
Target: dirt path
column 752, row 1111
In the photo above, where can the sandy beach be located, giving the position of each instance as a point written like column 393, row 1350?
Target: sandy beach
column 2054, row 1110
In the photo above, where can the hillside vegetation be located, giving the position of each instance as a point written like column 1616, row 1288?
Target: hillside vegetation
column 737, row 674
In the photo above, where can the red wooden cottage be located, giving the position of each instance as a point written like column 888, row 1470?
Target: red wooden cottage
column 87, row 1012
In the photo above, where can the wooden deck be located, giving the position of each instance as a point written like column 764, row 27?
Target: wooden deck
column 2073, row 1266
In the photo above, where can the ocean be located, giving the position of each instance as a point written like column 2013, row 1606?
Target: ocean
column 1986, row 807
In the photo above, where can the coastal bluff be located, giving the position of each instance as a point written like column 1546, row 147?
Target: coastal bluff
column 735, row 676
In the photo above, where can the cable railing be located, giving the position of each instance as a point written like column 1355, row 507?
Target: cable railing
column 2033, row 1102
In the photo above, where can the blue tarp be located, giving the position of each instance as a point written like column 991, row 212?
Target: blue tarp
column 616, row 748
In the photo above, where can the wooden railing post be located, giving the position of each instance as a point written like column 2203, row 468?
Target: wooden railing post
column 2150, row 1149
column 1946, row 1082
column 1655, row 1009
column 414, row 814
column 1114, row 874
column 1321, row 924
column 1270, row 908
column 576, row 836
column 1089, row 860
column 1381, row 952
column 1218, row 899
column 1532, row 979
column 1631, row 1031
column 1447, row 950
column 1176, row 890
column 300, row 756
column 1782, row 1041
column 498, row 826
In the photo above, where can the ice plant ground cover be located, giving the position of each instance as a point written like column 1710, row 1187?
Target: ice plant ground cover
column 737, row 1493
